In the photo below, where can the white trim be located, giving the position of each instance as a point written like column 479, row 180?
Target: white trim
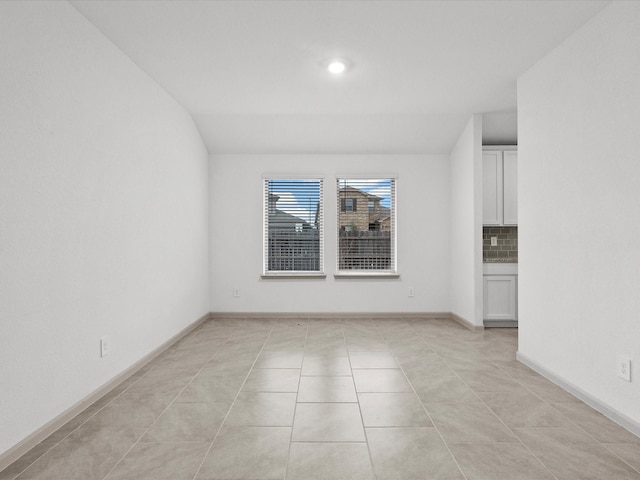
column 23, row 447
column 466, row 323
column 276, row 275
column 608, row 411
column 333, row 315
column 365, row 274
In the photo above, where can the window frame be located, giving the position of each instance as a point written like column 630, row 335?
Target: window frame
column 266, row 210
column 362, row 273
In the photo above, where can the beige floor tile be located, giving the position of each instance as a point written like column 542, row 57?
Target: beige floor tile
column 222, row 367
column 546, row 390
column 280, row 359
column 521, row 408
column 211, row 389
column 124, row 385
column 73, row 424
column 483, row 403
column 366, row 345
column 327, row 389
column 424, row 365
column 275, row 345
column 410, row 453
column 392, row 410
column 488, row 380
column 272, row 380
column 372, row 360
column 629, row 452
column 491, row 461
column 381, row 380
column 160, row 461
column 599, row 426
column 329, row 461
column 328, row 422
column 330, row 346
column 325, row 365
column 87, row 454
column 571, row 454
column 186, row 358
column 187, row 422
column 442, row 389
column 407, row 347
column 241, row 453
column 468, row 422
column 163, row 380
column 257, row 409
column 25, row 460
column 137, row 409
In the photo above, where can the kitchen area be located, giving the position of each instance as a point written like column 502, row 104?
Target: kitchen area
column 500, row 235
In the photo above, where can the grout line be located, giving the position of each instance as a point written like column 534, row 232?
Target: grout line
column 364, row 430
column 295, row 405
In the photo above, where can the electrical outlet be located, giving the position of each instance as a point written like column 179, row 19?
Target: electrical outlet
column 412, row 292
column 494, row 241
column 105, row 346
column 624, row 368
column 236, row 292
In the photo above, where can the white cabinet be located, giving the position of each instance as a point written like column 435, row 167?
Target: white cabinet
column 499, row 186
column 500, row 295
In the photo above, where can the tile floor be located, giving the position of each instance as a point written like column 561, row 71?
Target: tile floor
column 336, row 399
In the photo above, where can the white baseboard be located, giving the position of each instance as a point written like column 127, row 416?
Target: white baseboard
column 608, row 411
column 17, row 451
column 350, row 315
column 466, row 323
column 335, row 315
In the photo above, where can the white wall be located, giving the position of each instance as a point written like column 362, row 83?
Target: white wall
column 466, row 223
column 579, row 207
column 237, row 244
column 103, row 212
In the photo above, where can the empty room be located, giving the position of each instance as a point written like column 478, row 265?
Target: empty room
column 319, row 240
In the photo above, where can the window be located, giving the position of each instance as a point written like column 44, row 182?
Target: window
column 349, row 205
column 366, row 238
column 293, row 226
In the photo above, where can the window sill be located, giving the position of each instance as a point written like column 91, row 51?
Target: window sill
column 366, row 275
column 271, row 276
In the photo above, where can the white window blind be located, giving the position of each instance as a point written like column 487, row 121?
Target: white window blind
column 293, row 229
column 366, row 225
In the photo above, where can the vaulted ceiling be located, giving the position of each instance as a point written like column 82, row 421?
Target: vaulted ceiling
column 253, row 73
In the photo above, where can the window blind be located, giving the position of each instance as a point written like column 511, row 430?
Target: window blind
column 293, row 226
column 366, row 225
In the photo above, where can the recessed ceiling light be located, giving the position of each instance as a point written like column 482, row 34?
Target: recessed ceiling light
column 337, row 67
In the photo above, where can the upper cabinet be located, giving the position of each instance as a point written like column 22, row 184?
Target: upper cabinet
column 499, row 186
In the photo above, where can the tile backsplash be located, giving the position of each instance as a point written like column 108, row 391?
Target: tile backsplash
column 507, row 248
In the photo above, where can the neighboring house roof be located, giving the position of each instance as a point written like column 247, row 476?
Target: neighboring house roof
column 281, row 219
column 360, row 192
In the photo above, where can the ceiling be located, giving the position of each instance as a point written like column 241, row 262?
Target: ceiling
column 252, row 73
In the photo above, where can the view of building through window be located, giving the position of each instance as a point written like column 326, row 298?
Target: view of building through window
column 366, row 224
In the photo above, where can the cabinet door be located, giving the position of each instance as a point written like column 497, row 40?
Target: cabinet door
column 500, row 297
column 492, row 188
column 510, row 187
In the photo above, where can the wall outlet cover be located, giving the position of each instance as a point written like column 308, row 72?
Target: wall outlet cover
column 624, row 367
column 105, row 346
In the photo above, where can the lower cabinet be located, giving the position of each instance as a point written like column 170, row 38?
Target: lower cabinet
column 500, row 297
